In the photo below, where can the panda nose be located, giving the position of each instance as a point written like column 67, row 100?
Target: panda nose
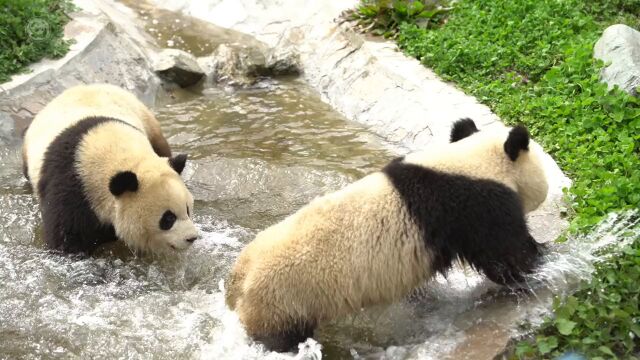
column 191, row 240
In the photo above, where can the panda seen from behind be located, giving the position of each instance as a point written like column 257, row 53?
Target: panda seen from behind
column 379, row 238
column 102, row 171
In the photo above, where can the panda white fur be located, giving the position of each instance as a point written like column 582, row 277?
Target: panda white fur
column 377, row 239
column 102, row 170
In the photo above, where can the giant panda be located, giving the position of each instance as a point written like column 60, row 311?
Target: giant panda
column 102, row 170
column 377, row 239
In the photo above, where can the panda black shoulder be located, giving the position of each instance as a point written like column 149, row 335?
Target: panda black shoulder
column 70, row 224
column 478, row 221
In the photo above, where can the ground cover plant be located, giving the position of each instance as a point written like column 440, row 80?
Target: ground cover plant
column 384, row 17
column 31, row 30
column 531, row 62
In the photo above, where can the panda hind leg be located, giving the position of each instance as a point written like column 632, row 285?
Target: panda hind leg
column 287, row 340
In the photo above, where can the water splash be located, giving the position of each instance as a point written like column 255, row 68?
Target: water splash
column 230, row 341
column 568, row 263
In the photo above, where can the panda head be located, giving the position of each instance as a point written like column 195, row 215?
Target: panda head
column 153, row 206
column 508, row 155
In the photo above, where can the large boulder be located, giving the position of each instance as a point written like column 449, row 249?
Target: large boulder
column 619, row 46
column 242, row 65
column 101, row 53
column 178, row 66
column 235, row 65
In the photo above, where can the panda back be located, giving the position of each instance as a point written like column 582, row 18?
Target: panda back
column 72, row 106
column 478, row 221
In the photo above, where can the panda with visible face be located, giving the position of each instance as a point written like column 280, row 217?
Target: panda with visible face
column 103, row 171
column 377, row 239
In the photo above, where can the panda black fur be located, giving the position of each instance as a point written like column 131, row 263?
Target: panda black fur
column 103, row 171
column 377, row 239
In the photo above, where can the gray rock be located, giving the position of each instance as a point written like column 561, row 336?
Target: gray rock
column 620, row 46
column 101, row 54
column 284, row 57
column 235, row 65
column 179, row 67
column 7, row 134
column 283, row 61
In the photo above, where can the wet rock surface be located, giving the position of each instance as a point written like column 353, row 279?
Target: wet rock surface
column 284, row 57
column 619, row 46
column 242, row 65
column 7, row 134
column 178, row 67
column 235, row 65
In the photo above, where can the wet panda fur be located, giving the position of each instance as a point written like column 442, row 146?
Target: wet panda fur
column 377, row 239
column 102, row 170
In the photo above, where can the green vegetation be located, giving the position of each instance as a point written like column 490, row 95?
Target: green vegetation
column 384, row 17
column 531, row 62
column 601, row 321
column 31, row 30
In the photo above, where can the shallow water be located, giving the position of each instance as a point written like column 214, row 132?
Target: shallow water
column 256, row 156
column 172, row 30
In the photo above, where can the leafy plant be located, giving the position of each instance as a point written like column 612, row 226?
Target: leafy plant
column 384, row 17
column 29, row 31
column 531, row 62
column 600, row 321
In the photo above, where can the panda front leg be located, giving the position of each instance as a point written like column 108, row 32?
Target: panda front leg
column 519, row 256
column 70, row 228
column 58, row 234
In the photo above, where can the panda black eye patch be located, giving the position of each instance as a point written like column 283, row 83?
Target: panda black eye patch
column 167, row 220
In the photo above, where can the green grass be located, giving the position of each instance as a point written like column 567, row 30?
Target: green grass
column 31, row 30
column 531, row 62
column 601, row 321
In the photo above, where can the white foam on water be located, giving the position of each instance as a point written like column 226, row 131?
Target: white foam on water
column 230, row 341
column 573, row 261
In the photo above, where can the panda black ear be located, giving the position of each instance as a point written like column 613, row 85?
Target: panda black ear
column 517, row 140
column 122, row 182
column 178, row 162
column 462, row 129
